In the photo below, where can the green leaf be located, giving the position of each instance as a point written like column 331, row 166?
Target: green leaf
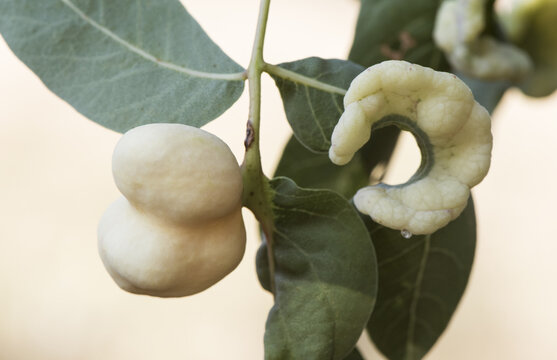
column 397, row 29
column 311, row 111
column 325, row 275
column 123, row 63
column 487, row 93
column 316, row 171
column 354, row 355
column 421, row 281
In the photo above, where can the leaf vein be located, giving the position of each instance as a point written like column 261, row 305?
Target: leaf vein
column 449, row 255
column 146, row 55
column 415, row 298
column 320, row 283
column 314, row 116
column 437, row 300
column 399, row 254
column 340, row 111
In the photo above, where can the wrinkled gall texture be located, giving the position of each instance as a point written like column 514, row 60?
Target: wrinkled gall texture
column 458, row 28
column 178, row 229
column 452, row 130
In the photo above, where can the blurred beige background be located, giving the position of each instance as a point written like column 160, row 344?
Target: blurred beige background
column 57, row 301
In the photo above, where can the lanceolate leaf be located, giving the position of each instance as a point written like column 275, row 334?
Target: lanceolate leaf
column 123, row 63
column 325, row 275
column 421, row 281
column 398, row 30
column 311, row 111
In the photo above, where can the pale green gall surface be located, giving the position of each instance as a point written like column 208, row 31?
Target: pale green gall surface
column 453, row 129
column 457, row 31
column 179, row 228
column 532, row 25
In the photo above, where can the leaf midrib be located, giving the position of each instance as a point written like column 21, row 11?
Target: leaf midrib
column 415, row 298
column 297, row 78
column 149, row 57
column 320, row 283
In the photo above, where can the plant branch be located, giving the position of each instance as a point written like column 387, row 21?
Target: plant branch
column 303, row 80
column 258, row 195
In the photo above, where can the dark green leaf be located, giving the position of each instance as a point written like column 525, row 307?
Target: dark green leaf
column 421, row 281
column 487, row 93
column 325, row 275
column 123, row 63
column 397, row 29
column 311, row 112
column 354, row 355
column 316, row 171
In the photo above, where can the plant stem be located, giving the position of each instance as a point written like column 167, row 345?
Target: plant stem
column 258, row 194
